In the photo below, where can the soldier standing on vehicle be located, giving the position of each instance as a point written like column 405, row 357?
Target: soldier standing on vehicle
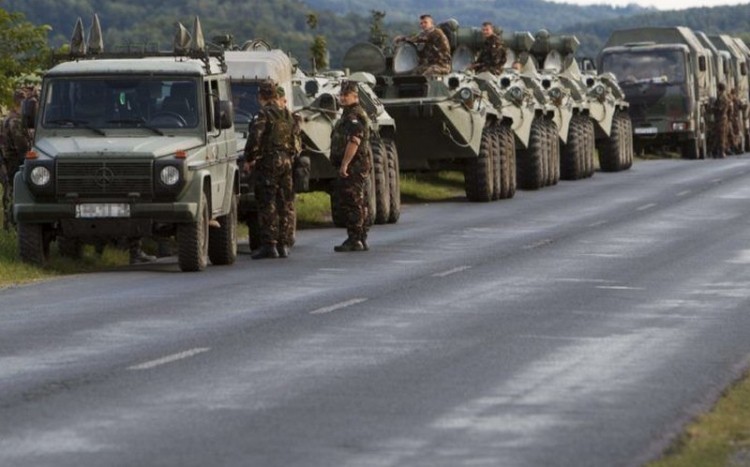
column 15, row 141
column 269, row 153
column 491, row 56
column 721, row 122
column 433, row 48
column 350, row 154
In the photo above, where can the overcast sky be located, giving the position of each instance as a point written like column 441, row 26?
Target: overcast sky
column 660, row 4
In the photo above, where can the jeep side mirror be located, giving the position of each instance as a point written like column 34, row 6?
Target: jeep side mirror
column 224, row 115
column 702, row 63
column 28, row 113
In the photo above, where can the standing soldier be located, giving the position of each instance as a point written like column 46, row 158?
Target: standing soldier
column 15, row 141
column 721, row 122
column 433, row 48
column 491, row 56
column 269, row 152
column 735, row 122
column 350, row 154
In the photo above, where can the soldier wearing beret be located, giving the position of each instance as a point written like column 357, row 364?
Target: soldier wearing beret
column 350, row 154
column 269, row 153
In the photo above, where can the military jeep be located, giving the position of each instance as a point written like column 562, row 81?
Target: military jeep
column 132, row 144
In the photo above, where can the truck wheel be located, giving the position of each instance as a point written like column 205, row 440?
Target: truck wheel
column 382, row 189
column 253, row 228
column 628, row 138
column 192, row 240
column 573, row 154
column 690, row 149
column 507, row 152
column 70, row 247
column 394, row 176
column 529, row 160
column 222, row 240
column 33, row 244
column 478, row 171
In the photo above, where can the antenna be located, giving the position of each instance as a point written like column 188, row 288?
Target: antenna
column 77, row 42
column 96, row 41
column 199, row 43
column 182, row 39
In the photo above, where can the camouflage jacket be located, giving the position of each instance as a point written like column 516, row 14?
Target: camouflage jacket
column 15, row 140
column 491, row 56
column 433, row 47
column 274, row 131
column 721, row 107
column 353, row 123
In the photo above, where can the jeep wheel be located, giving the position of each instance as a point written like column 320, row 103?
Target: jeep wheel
column 70, row 247
column 192, row 240
column 222, row 240
column 33, row 244
column 394, row 177
column 382, row 188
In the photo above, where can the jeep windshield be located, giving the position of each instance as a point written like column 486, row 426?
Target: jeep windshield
column 648, row 67
column 246, row 105
column 104, row 102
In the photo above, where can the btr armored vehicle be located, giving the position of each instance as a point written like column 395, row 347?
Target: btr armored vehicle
column 132, row 145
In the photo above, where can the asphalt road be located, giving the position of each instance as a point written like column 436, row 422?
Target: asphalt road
column 580, row 325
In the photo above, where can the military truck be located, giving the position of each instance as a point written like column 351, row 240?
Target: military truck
column 737, row 78
column 314, row 99
column 444, row 122
column 132, row 144
column 667, row 81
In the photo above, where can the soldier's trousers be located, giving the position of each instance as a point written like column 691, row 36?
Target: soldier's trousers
column 274, row 193
column 354, row 204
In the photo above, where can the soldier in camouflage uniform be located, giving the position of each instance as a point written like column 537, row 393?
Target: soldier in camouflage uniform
column 433, row 48
column 269, row 152
column 720, row 127
column 15, row 141
column 350, row 154
column 491, row 56
column 735, row 122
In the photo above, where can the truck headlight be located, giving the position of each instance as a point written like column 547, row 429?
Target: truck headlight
column 40, row 176
column 169, row 175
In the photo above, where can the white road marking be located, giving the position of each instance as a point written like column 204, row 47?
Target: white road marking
column 683, row 193
column 716, row 180
column 618, row 287
column 451, row 271
column 338, row 306
column 537, row 244
column 597, row 224
column 595, row 281
column 169, row 359
column 645, row 206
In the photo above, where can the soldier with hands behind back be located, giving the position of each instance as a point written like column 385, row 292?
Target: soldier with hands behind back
column 269, row 153
column 350, row 154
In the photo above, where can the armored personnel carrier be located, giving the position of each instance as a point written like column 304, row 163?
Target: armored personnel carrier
column 132, row 144
column 313, row 98
column 443, row 121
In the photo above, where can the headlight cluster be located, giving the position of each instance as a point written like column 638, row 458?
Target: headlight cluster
column 465, row 94
column 514, row 94
column 40, row 176
column 170, row 175
column 556, row 94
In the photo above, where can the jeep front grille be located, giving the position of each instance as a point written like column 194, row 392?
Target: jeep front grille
column 104, row 179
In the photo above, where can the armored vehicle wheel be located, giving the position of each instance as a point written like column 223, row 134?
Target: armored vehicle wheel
column 222, row 240
column 588, row 165
column 253, row 227
column 545, row 154
column 573, row 155
column 612, row 150
column 394, row 177
column 478, row 171
column 70, row 247
column 382, row 188
column 192, row 240
column 554, row 154
column 529, row 160
column 628, row 138
column 33, row 243
column 497, row 164
column 507, row 156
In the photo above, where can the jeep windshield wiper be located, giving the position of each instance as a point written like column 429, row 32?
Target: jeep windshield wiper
column 76, row 124
column 139, row 122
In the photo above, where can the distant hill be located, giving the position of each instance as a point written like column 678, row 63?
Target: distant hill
column 345, row 22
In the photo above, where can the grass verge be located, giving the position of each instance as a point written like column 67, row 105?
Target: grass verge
column 439, row 186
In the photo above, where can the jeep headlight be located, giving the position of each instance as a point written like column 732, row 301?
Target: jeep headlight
column 169, row 175
column 40, row 176
column 465, row 94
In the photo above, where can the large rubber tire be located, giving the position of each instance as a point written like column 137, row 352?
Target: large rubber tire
column 612, row 150
column 507, row 157
column 573, row 153
column 590, row 152
column 497, row 164
column 554, row 155
column 627, row 128
column 382, row 189
column 478, row 171
column 33, row 244
column 394, row 177
column 253, row 228
column 70, row 247
column 690, row 149
column 222, row 240
column 529, row 161
column 192, row 240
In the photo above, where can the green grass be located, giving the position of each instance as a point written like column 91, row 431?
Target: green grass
column 313, row 209
column 437, row 186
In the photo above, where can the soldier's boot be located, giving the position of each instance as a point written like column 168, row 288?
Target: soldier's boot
column 350, row 244
column 282, row 250
column 266, row 251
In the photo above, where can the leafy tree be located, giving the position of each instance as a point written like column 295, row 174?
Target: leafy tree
column 318, row 49
column 23, row 52
column 377, row 35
